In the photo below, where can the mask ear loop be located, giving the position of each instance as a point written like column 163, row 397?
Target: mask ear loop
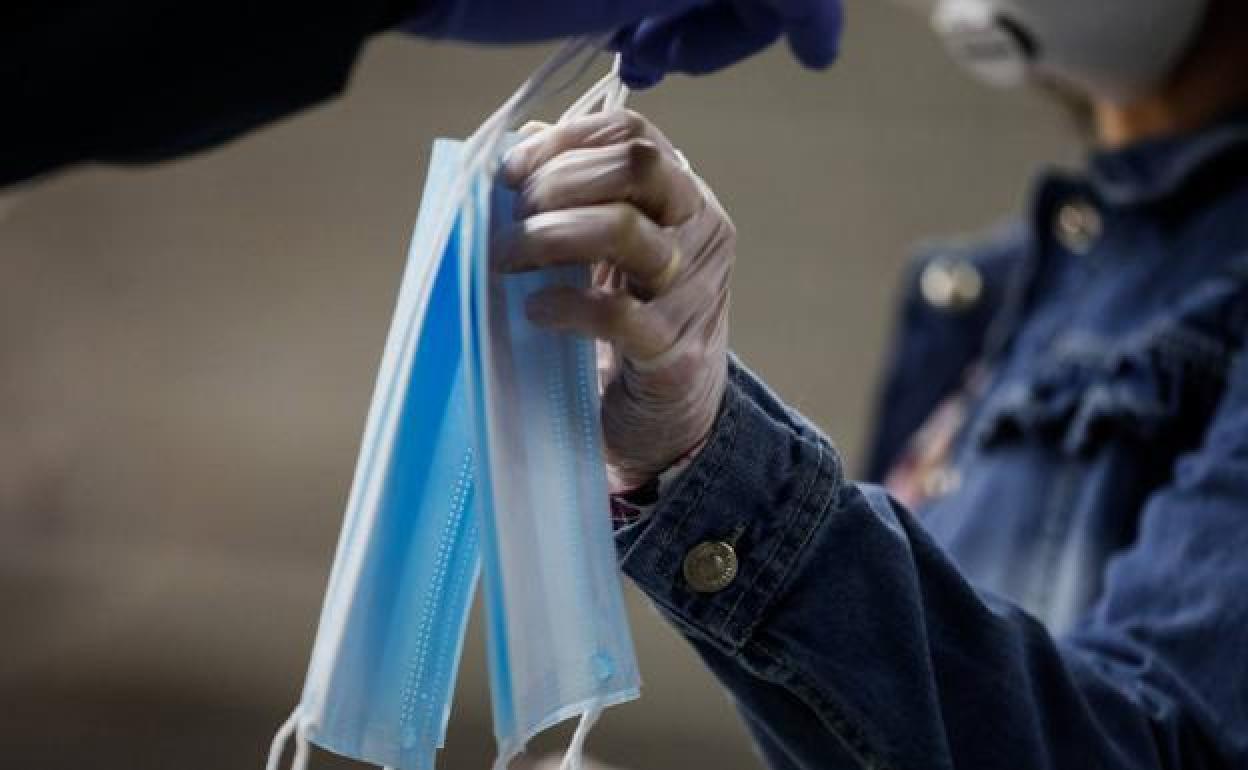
column 576, row 749
column 482, row 145
column 292, row 727
column 609, row 93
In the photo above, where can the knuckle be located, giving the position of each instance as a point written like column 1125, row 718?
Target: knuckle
column 618, row 315
column 526, row 202
column 634, row 124
column 643, row 159
column 729, row 231
column 627, row 225
column 724, row 235
column 540, row 234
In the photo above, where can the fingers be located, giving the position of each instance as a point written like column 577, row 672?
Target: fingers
column 602, row 188
column 710, row 36
column 616, row 233
column 636, row 171
column 600, row 129
column 704, row 39
column 814, row 30
column 532, row 128
column 606, row 314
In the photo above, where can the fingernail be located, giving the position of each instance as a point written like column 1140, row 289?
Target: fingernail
column 510, row 165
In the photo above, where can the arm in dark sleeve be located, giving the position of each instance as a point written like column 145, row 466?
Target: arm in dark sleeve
column 146, row 80
column 849, row 639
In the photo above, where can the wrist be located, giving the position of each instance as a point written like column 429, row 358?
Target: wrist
column 631, row 504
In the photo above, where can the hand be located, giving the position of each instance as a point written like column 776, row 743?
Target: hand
column 609, row 190
column 708, row 37
column 518, row 21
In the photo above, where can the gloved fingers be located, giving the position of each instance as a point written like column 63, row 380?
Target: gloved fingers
column 813, row 28
column 636, row 74
column 700, row 40
column 636, row 170
column 614, row 233
column 532, row 127
column 610, row 315
column 599, row 129
column 490, row 21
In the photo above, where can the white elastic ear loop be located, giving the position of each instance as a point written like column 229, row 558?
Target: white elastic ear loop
column 291, row 727
column 610, row 91
column 615, row 100
column 539, row 85
column 576, row 749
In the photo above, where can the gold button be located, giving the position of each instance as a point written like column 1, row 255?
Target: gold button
column 1078, row 226
column 951, row 284
column 710, row 566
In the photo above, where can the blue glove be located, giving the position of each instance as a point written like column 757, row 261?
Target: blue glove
column 520, row 21
column 710, row 36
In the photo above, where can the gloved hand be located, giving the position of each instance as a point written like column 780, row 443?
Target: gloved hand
column 519, row 21
column 657, row 36
column 609, row 190
column 707, row 37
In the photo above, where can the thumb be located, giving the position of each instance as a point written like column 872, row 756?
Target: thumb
column 813, row 28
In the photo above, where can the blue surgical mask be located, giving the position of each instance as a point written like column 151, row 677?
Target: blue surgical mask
column 557, row 634
column 480, row 424
column 382, row 671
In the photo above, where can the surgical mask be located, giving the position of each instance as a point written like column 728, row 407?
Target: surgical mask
column 464, row 455
column 557, row 639
column 1115, row 50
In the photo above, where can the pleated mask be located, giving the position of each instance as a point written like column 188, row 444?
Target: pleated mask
column 482, row 452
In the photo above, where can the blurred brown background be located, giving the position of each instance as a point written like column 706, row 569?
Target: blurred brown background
column 187, row 354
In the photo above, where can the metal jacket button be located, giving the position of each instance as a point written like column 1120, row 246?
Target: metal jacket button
column 951, row 284
column 710, row 566
column 1078, row 226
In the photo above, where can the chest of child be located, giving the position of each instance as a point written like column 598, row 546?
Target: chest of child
column 1034, row 473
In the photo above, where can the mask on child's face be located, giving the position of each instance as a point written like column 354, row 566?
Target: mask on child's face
column 1109, row 49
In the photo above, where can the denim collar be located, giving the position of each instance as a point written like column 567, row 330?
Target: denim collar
column 1154, row 170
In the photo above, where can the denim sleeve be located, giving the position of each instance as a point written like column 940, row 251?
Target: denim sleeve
column 849, row 639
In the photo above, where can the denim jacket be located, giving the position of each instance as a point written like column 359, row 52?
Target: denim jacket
column 1079, row 598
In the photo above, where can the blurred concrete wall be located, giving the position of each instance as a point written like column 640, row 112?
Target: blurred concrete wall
column 187, row 354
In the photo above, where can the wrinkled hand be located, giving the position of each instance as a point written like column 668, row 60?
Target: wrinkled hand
column 609, row 190
column 710, row 36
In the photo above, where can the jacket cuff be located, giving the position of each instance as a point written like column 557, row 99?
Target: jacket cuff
column 761, row 486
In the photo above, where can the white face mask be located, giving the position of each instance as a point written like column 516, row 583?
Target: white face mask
column 1110, row 49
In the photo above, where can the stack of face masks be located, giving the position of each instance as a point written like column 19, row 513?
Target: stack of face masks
column 482, row 454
